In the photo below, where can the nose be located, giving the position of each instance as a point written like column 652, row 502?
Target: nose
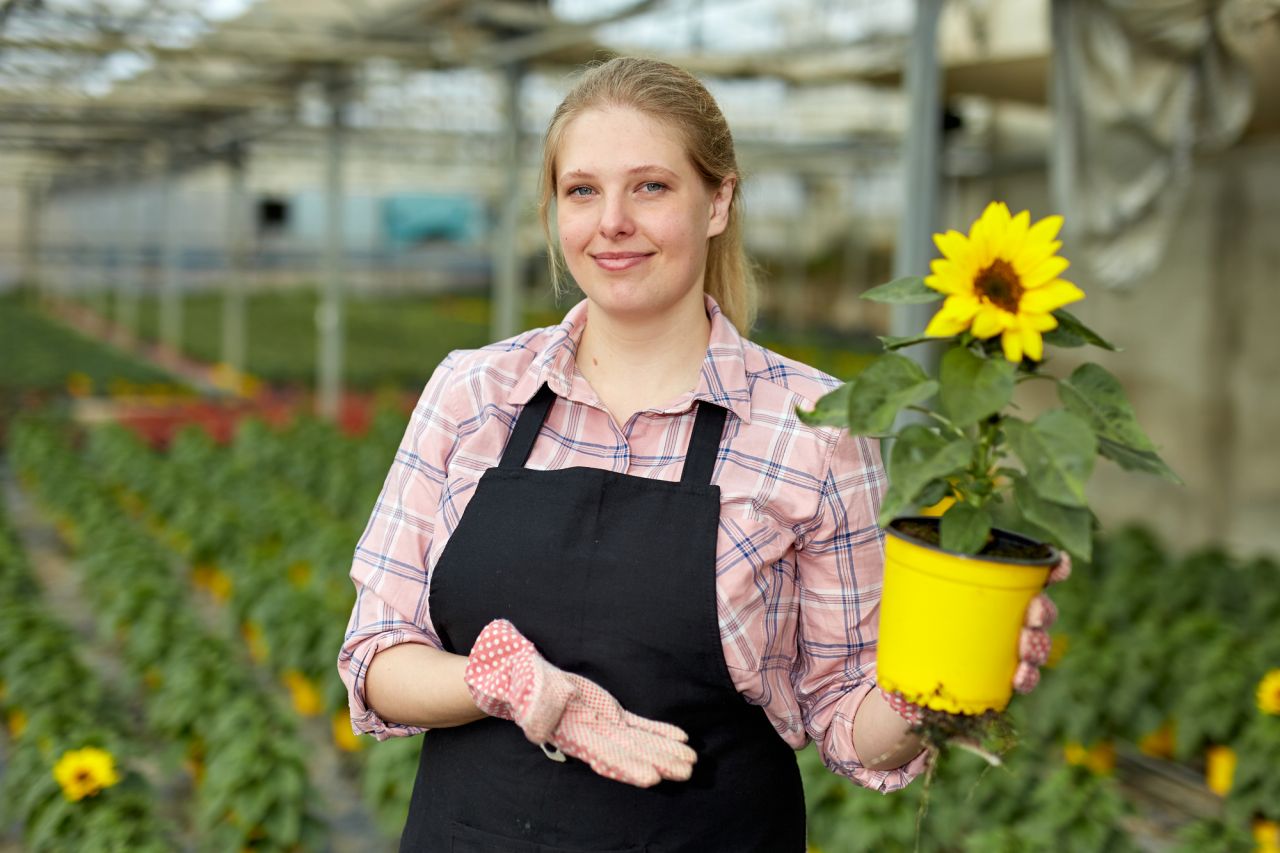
column 615, row 217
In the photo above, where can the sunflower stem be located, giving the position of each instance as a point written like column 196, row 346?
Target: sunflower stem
column 944, row 421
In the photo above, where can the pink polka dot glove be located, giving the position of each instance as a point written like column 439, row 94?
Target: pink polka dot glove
column 1033, row 646
column 507, row 678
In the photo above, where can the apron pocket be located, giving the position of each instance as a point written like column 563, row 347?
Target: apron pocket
column 468, row 839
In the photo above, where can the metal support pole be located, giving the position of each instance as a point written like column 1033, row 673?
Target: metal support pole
column 122, row 238
column 920, row 162
column 170, row 264
column 32, row 279
column 329, row 319
column 506, row 310
column 233, row 298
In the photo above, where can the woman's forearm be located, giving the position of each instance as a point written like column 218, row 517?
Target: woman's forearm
column 881, row 737
column 417, row 685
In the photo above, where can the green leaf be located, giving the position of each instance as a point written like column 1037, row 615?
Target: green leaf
column 1070, row 527
column 881, row 390
column 933, row 492
column 1098, row 397
column 920, row 456
column 1070, row 332
column 972, row 387
column 892, row 342
column 1137, row 460
column 910, row 290
column 965, row 528
column 832, row 409
column 1058, row 451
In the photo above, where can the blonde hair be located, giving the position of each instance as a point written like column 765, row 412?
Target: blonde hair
column 674, row 96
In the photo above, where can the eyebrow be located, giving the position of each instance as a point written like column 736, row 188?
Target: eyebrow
column 647, row 168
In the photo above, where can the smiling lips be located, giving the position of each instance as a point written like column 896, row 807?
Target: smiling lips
column 618, row 261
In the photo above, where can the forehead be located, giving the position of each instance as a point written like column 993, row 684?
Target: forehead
column 605, row 139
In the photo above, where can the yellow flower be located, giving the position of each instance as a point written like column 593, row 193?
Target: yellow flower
column 1158, row 743
column 1220, row 769
column 79, row 384
column 299, row 573
column 84, row 772
column 346, row 739
column 1100, row 759
column 306, row 699
column 1002, row 279
column 1269, row 692
column 17, row 723
column 1267, row 834
column 252, row 633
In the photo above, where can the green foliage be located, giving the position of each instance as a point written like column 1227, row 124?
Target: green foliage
column 64, row 706
column 1045, row 497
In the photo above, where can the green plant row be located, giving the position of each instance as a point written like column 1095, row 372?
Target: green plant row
column 54, row 706
column 245, row 756
column 1169, row 653
column 268, row 551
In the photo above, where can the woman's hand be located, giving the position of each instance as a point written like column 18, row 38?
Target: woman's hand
column 1034, row 643
column 509, row 679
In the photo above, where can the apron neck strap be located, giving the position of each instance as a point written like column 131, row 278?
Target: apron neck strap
column 528, row 425
column 699, row 459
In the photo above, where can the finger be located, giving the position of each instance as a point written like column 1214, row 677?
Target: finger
column 1033, row 646
column 1026, row 678
column 1041, row 612
column 644, row 724
column 671, row 757
column 1062, row 571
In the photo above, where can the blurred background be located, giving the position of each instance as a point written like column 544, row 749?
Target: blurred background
column 236, row 237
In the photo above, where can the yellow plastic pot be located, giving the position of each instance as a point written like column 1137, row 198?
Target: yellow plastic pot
column 949, row 623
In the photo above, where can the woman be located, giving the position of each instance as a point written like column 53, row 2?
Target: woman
column 610, row 571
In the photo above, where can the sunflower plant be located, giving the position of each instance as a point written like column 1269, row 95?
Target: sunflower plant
column 1003, row 300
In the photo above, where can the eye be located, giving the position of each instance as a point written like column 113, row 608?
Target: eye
column 578, row 192
column 653, row 186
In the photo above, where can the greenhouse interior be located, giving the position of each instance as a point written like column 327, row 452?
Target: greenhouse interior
column 238, row 237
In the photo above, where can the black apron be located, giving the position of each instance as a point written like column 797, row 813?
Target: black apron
column 611, row 576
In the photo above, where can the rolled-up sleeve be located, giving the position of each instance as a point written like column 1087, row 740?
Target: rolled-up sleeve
column 389, row 568
column 840, row 569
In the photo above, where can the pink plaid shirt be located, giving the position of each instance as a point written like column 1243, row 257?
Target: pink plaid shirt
column 799, row 558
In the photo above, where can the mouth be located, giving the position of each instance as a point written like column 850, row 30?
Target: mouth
column 617, row 261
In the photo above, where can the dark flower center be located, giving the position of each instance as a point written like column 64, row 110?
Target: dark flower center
column 999, row 284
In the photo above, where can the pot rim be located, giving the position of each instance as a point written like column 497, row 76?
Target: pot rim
column 1055, row 556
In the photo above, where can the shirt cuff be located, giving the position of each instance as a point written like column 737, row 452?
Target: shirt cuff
column 364, row 720
column 840, row 756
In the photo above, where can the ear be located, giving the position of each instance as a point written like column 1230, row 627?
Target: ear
column 721, row 200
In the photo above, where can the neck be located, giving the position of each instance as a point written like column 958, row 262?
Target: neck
column 635, row 364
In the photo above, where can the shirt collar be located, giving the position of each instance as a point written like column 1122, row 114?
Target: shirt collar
column 723, row 380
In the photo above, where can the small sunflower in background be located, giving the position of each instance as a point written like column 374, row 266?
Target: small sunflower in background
column 1269, row 693
column 1002, row 279
column 85, row 772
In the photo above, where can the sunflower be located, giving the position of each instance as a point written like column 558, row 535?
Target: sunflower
column 84, row 772
column 1002, row 279
column 1220, row 769
column 1269, row 693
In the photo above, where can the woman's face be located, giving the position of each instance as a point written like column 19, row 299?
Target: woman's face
column 634, row 216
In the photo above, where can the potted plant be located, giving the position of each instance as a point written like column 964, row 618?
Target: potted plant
column 1010, row 490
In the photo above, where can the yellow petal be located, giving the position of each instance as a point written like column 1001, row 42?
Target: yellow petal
column 949, row 282
column 961, row 307
column 1045, row 272
column 942, row 326
column 1016, row 235
column 953, row 245
column 1045, row 230
column 1011, row 341
column 1047, row 297
column 1032, row 343
column 1039, row 322
column 989, row 322
column 1033, row 254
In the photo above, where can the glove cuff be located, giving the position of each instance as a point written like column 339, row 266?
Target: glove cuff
column 491, row 666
